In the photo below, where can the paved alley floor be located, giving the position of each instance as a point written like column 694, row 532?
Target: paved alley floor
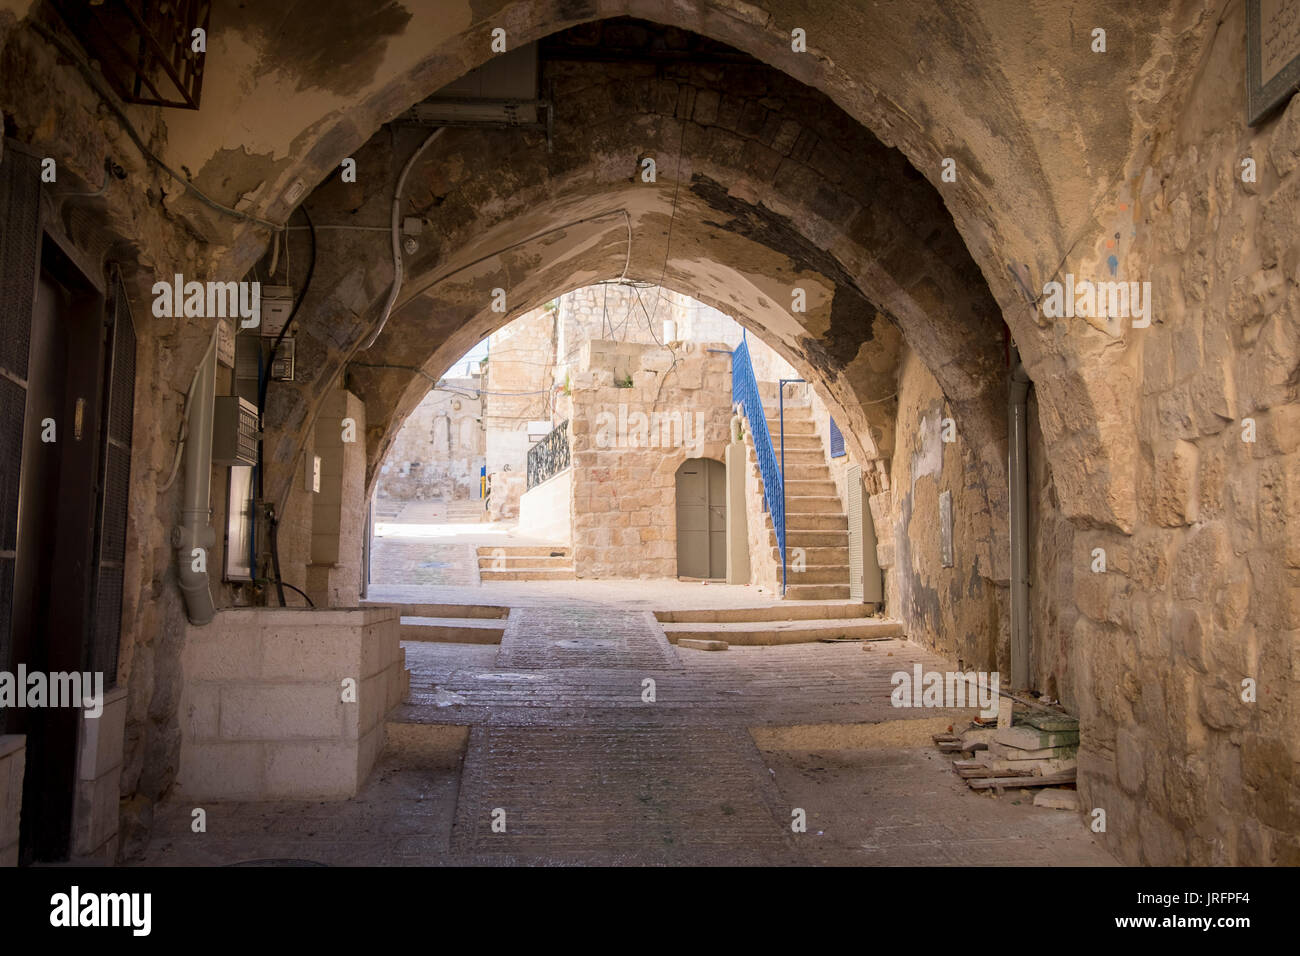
column 586, row 738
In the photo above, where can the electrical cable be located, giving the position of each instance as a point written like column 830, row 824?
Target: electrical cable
column 272, row 520
column 395, row 226
column 291, row 587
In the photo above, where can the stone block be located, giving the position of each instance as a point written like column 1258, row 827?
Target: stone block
column 222, row 770
column 266, row 711
column 102, row 737
column 95, row 806
column 311, row 770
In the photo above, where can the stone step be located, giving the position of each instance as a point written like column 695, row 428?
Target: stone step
column 785, row 632
column 796, row 443
column 804, row 486
column 798, row 521
column 806, row 471
column 796, row 426
column 452, row 630
column 817, row 574
column 815, row 556
column 487, row 575
column 488, row 611
column 812, row 504
column 538, row 551
column 773, row 411
column 817, row 592
column 801, row 456
column 508, row 561
column 795, row 538
column 786, row 611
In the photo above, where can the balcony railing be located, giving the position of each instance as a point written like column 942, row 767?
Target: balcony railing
column 744, row 392
column 550, row 456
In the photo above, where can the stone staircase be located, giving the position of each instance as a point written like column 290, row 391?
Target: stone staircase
column 524, row 563
column 814, row 515
column 450, row 623
column 781, row 624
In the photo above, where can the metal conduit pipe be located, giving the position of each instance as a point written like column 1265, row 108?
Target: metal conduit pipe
column 195, row 533
column 1017, row 471
column 396, row 228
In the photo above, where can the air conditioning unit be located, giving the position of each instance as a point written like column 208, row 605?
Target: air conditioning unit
column 501, row 92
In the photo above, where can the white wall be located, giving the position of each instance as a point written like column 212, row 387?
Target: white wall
column 546, row 511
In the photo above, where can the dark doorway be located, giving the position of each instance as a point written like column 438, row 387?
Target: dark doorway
column 69, row 360
column 702, row 519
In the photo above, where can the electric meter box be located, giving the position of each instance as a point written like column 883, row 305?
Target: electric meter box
column 276, row 305
column 234, row 431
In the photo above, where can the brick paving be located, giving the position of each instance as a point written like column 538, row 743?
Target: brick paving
column 588, row 771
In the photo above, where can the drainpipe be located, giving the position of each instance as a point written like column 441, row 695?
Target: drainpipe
column 194, row 531
column 1017, row 469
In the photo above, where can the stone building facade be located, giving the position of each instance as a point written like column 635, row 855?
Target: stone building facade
column 440, row 450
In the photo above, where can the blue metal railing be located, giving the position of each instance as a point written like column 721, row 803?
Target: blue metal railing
column 744, row 392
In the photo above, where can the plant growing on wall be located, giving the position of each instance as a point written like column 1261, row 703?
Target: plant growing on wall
column 625, row 382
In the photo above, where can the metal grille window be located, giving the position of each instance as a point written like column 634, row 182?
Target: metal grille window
column 145, row 48
column 115, row 478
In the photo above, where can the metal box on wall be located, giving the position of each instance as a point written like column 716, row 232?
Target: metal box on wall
column 234, row 431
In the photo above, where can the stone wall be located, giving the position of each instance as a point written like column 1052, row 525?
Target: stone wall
column 519, row 388
column 624, row 469
column 440, row 448
column 952, row 610
column 1201, row 591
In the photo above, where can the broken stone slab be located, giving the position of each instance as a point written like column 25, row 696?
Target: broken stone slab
column 1031, row 738
column 1011, row 767
column 978, row 739
column 990, row 783
column 1054, row 798
column 1047, row 753
column 1053, row 723
column 703, row 645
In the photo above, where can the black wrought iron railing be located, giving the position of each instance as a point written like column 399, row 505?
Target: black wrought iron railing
column 550, row 456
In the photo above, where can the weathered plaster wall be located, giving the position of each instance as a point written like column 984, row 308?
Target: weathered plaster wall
column 953, row 610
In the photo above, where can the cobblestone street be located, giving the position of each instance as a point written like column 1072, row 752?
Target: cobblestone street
column 565, row 753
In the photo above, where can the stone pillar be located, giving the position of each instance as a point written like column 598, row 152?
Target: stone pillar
column 338, row 512
column 99, row 776
column 737, row 527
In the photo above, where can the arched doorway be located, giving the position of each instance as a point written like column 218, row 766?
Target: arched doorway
column 702, row 519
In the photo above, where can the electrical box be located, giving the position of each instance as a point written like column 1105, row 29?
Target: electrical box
column 234, row 431
column 277, row 305
column 282, row 367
